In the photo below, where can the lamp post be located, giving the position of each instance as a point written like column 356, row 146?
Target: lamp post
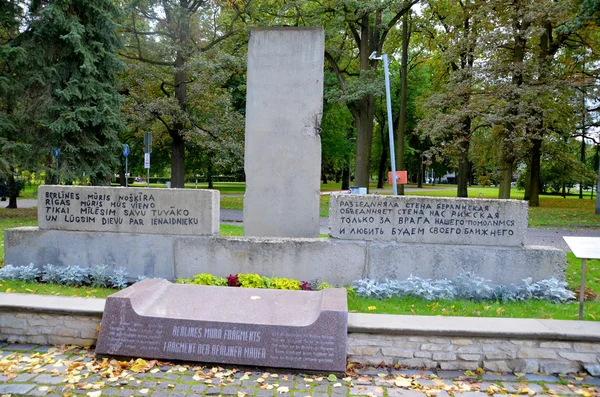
column 384, row 57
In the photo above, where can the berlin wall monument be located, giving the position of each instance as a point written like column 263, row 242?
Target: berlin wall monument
column 284, row 104
column 174, row 233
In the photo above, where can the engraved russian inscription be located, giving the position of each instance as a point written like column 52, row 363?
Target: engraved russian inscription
column 428, row 219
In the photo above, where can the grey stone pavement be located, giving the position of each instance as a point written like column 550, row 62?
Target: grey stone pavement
column 544, row 237
column 33, row 370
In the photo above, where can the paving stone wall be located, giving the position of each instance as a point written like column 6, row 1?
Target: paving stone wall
column 49, row 329
column 459, row 353
column 414, row 351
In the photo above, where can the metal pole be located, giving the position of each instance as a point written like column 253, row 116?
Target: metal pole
column 57, row 170
column 126, row 172
column 582, row 289
column 148, row 178
column 390, row 128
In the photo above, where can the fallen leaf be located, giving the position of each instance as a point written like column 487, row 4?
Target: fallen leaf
column 337, row 385
column 372, row 308
column 144, row 391
column 402, row 382
column 332, row 378
column 43, row 388
column 283, row 389
column 244, row 377
column 97, row 393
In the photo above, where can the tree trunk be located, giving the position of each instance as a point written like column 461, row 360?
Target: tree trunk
column 365, row 109
column 177, row 161
column 401, row 130
column 582, row 158
column 463, row 160
column 209, row 171
column 346, row 178
column 12, row 189
column 598, row 189
column 534, row 173
column 527, row 194
column 382, row 174
column 122, row 175
column 420, row 172
column 463, row 170
column 178, row 148
column 364, row 140
column 505, row 181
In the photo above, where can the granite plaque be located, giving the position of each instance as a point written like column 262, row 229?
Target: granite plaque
column 245, row 326
column 129, row 210
column 433, row 220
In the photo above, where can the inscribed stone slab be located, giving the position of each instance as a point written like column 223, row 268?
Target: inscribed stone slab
column 431, row 220
column 284, row 105
column 275, row 328
column 129, row 210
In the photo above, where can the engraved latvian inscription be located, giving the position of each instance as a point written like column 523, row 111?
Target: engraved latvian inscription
column 133, row 210
column 254, row 333
column 428, row 219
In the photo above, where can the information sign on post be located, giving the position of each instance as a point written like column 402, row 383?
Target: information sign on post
column 56, row 155
column 126, row 153
column 147, row 151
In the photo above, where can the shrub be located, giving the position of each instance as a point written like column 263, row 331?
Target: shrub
column 99, row 276
column 233, row 281
column 27, row 273
column 52, row 274
column 75, row 276
column 251, row 281
column 207, row 279
column 286, row 283
column 464, row 286
column 118, row 279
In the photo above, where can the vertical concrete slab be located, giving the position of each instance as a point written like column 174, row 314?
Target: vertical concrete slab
column 284, row 105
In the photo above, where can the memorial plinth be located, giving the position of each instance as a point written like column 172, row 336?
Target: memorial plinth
column 129, row 210
column 430, row 220
column 244, row 326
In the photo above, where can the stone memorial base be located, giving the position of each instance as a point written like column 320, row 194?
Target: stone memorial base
column 245, row 326
column 336, row 261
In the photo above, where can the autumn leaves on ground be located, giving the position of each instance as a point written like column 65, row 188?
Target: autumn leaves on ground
column 70, row 370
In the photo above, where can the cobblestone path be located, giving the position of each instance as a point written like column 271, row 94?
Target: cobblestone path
column 33, row 370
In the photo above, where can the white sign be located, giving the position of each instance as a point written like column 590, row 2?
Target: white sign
column 146, row 160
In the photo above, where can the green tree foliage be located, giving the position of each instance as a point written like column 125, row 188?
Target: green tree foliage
column 72, row 100
column 178, row 44
column 14, row 147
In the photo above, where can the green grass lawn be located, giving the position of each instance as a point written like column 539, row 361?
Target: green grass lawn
column 15, row 218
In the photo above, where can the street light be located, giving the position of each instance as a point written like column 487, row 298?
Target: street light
column 374, row 56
